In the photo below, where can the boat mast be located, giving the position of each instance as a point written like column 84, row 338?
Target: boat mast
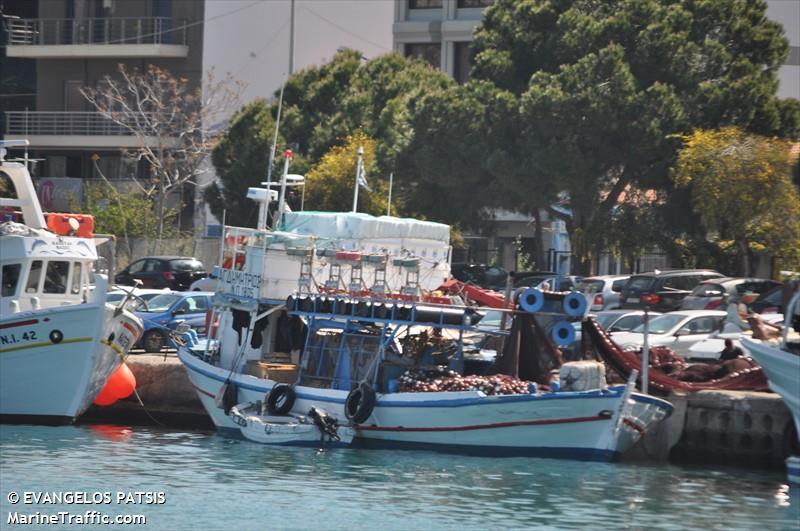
column 262, row 222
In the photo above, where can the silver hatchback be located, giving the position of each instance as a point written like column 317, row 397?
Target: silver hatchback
column 602, row 292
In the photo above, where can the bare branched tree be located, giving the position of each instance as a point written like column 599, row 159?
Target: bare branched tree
column 176, row 124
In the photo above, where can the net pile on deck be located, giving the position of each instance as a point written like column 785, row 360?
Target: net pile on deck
column 669, row 371
column 432, row 380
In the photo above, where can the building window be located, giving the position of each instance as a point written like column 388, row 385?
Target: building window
column 461, row 63
column 430, row 52
column 474, row 3
column 424, row 4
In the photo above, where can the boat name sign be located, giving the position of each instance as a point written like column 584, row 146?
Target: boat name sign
column 240, row 283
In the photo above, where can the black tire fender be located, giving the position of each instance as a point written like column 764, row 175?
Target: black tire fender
column 359, row 404
column 281, row 399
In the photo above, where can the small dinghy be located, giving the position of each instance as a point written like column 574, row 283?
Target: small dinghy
column 315, row 429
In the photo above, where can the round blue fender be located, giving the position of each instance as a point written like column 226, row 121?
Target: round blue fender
column 563, row 333
column 575, row 304
column 531, row 300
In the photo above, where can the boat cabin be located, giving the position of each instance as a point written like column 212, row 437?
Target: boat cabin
column 39, row 268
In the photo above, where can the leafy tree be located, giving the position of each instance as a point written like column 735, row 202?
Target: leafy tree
column 330, row 184
column 741, row 190
column 322, row 107
column 604, row 86
column 172, row 120
column 241, row 158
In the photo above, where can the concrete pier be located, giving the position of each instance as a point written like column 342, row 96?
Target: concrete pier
column 168, row 396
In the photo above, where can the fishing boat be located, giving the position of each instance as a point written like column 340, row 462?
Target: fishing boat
column 59, row 340
column 781, row 362
column 316, row 429
column 343, row 311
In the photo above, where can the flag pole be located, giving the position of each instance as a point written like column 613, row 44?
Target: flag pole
column 359, row 169
column 389, row 203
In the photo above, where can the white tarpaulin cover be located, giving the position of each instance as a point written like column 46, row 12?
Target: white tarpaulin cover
column 356, row 226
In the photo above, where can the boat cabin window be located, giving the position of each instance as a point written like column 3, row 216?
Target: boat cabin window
column 55, row 281
column 34, row 276
column 7, row 188
column 76, row 278
column 10, row 279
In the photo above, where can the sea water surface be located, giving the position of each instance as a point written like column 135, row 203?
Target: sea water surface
column 210, row 481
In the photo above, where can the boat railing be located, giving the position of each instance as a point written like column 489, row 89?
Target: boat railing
column 383, row 311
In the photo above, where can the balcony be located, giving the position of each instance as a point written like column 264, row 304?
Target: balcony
column 71, row 130
column 50, row 38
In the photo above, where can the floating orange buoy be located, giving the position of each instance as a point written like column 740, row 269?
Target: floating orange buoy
column 120, row 384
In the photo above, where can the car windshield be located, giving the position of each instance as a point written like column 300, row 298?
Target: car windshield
column 492, row 318
column 708, row 290
column 639, row 283
column 661, row 324
column 162, row 303
column 525, row 282
column 114, row 297
column 593, row 286
column 186, row 264
column 605, row 319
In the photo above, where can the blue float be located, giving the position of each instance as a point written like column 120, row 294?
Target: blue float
column 574, row 304
column 563, row 333
column 531, row 300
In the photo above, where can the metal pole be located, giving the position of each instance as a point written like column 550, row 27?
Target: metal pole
column 222, row 238
column 389, row 203
column 272, row 156
column 291, row 41
column 646, row 353
column 358, row 178
column 287, row 157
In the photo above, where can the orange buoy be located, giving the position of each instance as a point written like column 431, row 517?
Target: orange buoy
column 120, row 384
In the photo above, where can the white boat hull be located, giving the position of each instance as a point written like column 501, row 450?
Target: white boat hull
column 592, row 425
column 783, row 372
column 54, row 362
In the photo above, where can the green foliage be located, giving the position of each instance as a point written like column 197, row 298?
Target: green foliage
column 322, row 107
column 741, row 190
column 241, row 158
column 124, row 213
column 330, row 183
column 603, row 87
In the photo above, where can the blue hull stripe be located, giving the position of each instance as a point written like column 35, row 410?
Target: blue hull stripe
column 612, row 392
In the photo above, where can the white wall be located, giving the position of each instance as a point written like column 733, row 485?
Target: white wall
column 787, row 12
column 253, row 42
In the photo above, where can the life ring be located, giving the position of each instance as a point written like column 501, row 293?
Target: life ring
column 359, row 404
column 281, row 399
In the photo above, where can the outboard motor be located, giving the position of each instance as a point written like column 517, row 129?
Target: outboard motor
column 327, row 424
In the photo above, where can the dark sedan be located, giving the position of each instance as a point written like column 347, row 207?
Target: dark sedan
column 173, row 272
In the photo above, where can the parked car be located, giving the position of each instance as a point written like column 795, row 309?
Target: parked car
column 115, row 296
column 715, row 294
column 662, row 290
column 168, row 310
column 769, row 301
column 485, row 276
column 209, row 283
column 602, row 292
column 613, row 321
column 537, row 279
column 676, row 330
column 173, row 272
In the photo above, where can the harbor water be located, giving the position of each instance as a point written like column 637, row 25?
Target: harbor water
column 200, row 480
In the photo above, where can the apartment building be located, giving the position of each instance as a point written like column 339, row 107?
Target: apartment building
column 64, row 45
